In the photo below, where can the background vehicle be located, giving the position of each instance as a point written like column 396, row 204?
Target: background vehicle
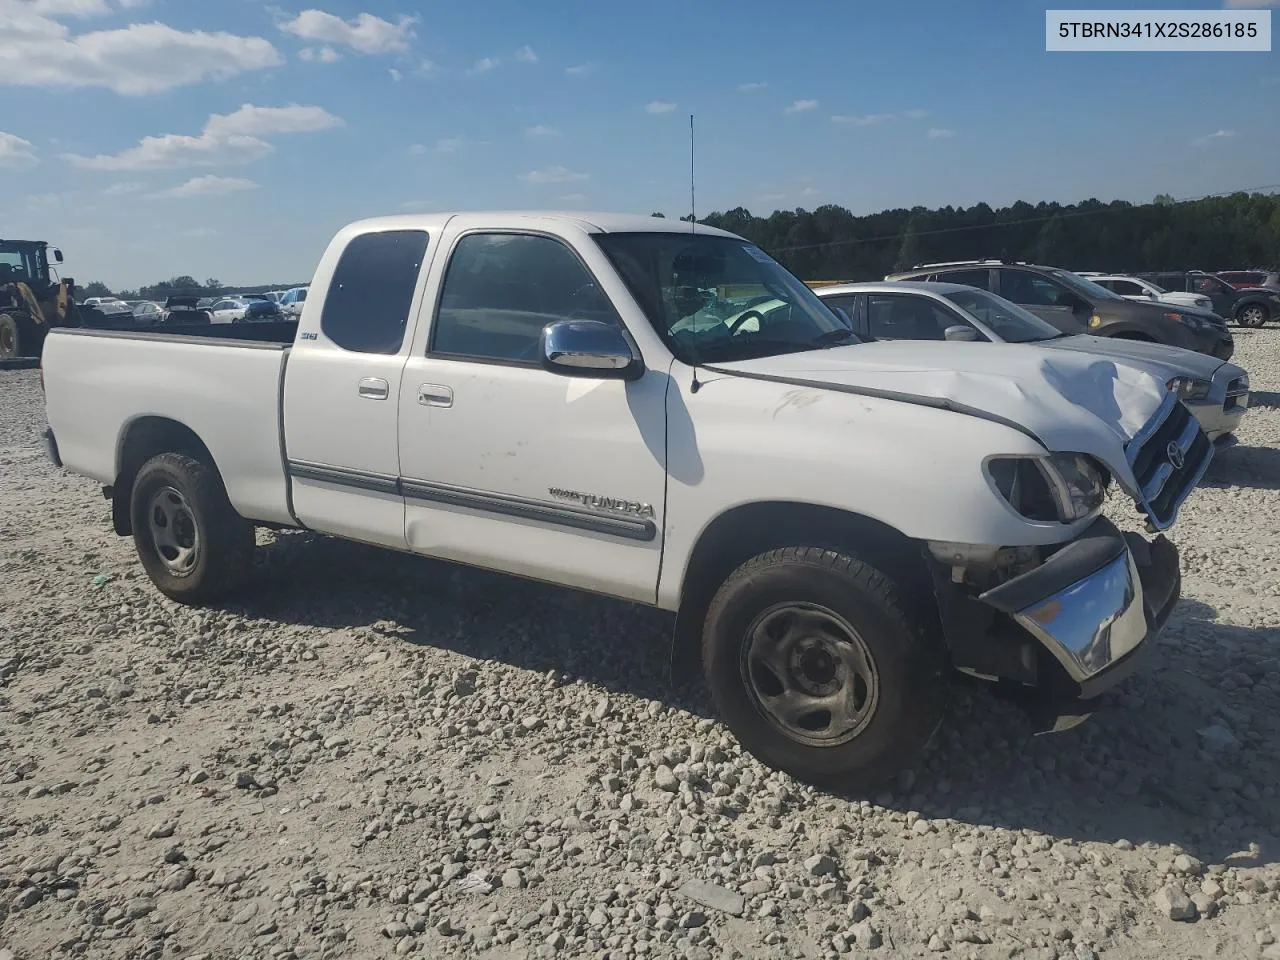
column 1215, row 391
column 228, row 310
column 33, row 300
column 593, row 401
column 1245, row 279
column 1075, row 305
column 204, row 303
column 148, row 311
column 182, row 310
column 1135, row 288
column 292, row 301
column 97, row 301
column 1249, row 307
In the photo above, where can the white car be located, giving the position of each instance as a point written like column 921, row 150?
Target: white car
column 1135, row 288
column 836, row 524
column 292, row 302
column 98, row 301
column 228, row 310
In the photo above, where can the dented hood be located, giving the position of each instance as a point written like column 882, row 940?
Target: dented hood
column 1070, row 401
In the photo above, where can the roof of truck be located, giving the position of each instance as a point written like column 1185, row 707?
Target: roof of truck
column 591, row 222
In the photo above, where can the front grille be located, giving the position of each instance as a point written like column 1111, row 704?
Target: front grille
column 1169, row 456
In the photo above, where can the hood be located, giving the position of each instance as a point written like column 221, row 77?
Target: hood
column 1163, row 360
column 1070, row 400
column 1155, row 306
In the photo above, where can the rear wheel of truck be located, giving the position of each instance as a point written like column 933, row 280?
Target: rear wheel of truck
column 194, row 546
column 1253, row 315
column 820, row 670
column 17, row 337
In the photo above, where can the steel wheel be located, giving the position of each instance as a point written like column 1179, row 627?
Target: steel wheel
column 810, row 674
column 1253, row 316
column 174, row 531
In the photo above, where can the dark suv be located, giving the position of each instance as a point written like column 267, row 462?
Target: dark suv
column 1248, row 306
column 1075, row 305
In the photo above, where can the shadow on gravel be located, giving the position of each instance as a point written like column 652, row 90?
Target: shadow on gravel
column 1264, row 398
column 1254, row 467
column 1136, row 770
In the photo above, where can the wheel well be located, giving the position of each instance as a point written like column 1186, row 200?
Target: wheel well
column 1242, row 307
column 743, row 532
column 145, row 438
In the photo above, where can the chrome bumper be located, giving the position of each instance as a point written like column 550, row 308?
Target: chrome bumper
column 1093, row 605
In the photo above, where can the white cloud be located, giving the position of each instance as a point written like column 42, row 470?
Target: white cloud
column 417, row 149
column 773, row 197
column 16, row 152
column 425, row 68
column 122, row 189
column 554, row 175
column 324, row 54
column 800, row 106
column 451, row 144
column 396, row 75
column 916, row 114
column 573, row 198
column 660, row 106
column 866, row 120
column 751, row 87
column 1210, row 137
column 208, row 185
column 254, row 121
column 526, row 55
column 940, row 133
column 541, row 132
column 226, row 139
column 580, row 69
column 364, row 34
column 484, row 65
column 138, row 59
column 69, row 8
column 810, row 192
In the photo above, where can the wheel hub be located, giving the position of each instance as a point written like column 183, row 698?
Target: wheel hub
column 173, row 531
column 810, row 674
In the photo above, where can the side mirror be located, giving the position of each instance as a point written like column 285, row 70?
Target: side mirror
column 589, row 348
column 961, row 333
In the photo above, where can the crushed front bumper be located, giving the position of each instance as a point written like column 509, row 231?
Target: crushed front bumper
column 1093, row 605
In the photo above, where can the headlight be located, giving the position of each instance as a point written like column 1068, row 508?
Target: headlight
column 1189, row 389
column 1195, row 323
column 1063, row 487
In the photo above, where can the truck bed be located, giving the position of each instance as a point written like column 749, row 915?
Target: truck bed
column 223, row 382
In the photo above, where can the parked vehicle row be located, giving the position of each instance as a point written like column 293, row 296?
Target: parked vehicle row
column 1248, row 306
column 647, row 410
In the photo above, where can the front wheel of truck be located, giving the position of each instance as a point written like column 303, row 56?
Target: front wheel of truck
column 821, row 670
column 194, row 546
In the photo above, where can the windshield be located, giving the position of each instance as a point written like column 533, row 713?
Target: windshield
column 1006, row 320
column 717, row 298
column 1086, row 288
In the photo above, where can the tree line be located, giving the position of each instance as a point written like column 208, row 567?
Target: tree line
column 1237, row 231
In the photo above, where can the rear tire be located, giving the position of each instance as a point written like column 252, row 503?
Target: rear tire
column 194, row 546
column 820, row 670
column 1253, row 315
column 19, row 337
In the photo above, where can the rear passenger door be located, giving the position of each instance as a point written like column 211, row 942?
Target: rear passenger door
column 1046, row 298
column 342, row 384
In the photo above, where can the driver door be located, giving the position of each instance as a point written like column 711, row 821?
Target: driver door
column 507, row 465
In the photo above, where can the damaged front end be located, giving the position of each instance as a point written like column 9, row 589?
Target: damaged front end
column 1056, row 626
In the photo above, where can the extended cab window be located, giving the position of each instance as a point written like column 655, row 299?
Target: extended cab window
column 501, row 289
column 366, row 309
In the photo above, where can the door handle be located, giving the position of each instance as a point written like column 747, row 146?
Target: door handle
column 435, row 395
column 373, row 388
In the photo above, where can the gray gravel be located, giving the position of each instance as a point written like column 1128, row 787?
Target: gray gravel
column 375, row 755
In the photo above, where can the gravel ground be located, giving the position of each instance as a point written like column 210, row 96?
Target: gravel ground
column 378, row 755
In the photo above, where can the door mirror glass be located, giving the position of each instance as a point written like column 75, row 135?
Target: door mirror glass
column 961, row 333
column 589, row 348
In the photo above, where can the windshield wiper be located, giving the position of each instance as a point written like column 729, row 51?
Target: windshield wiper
column 833, row 338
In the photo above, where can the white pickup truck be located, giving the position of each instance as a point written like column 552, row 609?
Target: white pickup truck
column 593, row 401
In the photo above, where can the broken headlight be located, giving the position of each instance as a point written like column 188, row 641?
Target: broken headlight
column 1189, row 388
column 1063, row 487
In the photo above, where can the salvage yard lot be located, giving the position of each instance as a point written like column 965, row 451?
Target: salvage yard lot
column 373, row 755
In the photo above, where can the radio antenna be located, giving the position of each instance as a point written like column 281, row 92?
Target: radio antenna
column 693, row 199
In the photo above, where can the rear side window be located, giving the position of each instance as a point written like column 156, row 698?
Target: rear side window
column 501, row 289
column 969, row 278
column 366, row 309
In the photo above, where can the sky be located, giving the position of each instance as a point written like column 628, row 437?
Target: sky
column 230, row 139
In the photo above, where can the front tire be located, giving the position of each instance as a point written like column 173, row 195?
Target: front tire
column 194, row 546
column 1253, row 315
column 817, row 666
column 19, row 337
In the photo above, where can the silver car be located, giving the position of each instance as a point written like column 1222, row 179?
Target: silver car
column 1215, row 391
